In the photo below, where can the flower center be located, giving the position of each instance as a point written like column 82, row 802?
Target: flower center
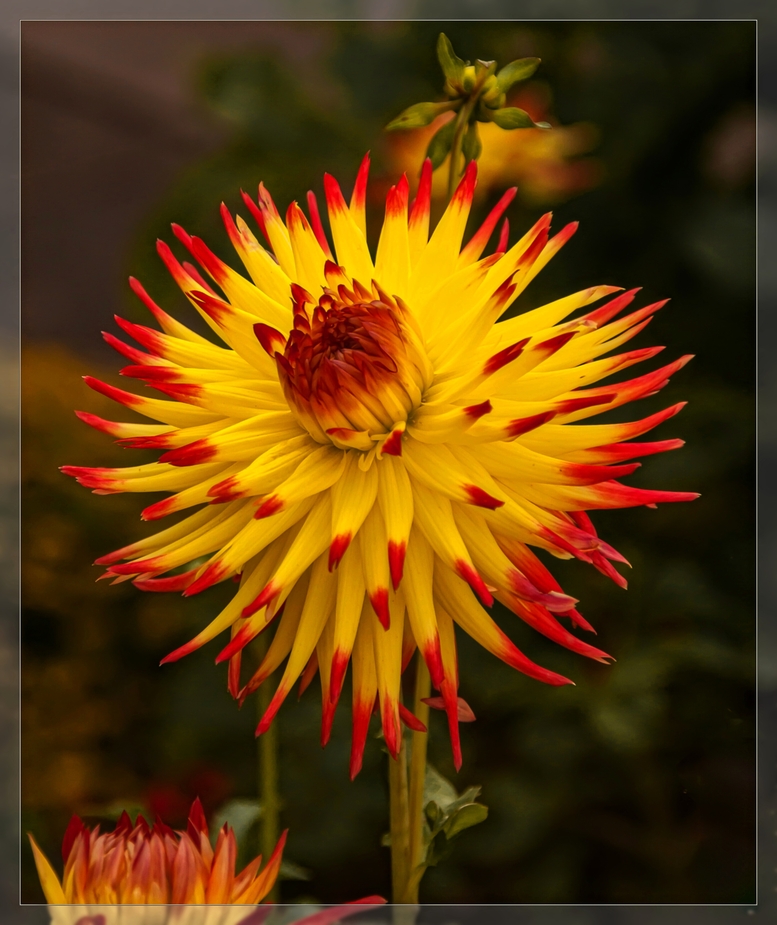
column 353, row 364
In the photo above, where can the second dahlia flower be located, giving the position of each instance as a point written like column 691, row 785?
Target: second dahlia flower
column 371, row 452
column 152, row 875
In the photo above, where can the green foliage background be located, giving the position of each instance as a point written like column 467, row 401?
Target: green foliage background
column 637, row 785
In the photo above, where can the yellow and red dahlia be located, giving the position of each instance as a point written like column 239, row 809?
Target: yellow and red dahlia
column 144, row 864
column 371, row 451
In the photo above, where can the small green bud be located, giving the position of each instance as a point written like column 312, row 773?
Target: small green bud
column 452, row 66
column 511, row 73
column 511, row 117
column 469, row 79
column 441, row 143
column 419, row 115
column 471, row 146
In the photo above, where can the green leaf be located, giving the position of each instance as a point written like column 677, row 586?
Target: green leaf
column 472, row 146
column 239, row 814
column 419, row 115
column 511, row 117
column 452, row 66
column 441, row 143
column 439, row 849
column 438, row 789
column 464, row 818
column 291, row 871
column 511, row 73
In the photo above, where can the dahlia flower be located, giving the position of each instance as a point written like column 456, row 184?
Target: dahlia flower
column 141, row 875
column 141, row 864
column 371, row 451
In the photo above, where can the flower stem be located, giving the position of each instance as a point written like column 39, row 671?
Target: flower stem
column 267, row 782
column 423, row 689
column 399, row 823
column 462, row 121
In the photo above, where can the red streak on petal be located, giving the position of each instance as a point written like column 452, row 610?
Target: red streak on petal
column 361, row 722
column 270, row 591
column 467, row 572
column 420, row 210
column 171, row 583
column 269, row 506
column 479, row 240
column 74, row 828
column 257, row 214
column 498, row 360
column 107, row 427
column 131, row 353
column 410, row 719
column 523, row 425
column 316, row 225
column 213, row 307
column 606, row 312
column 504, row 236
column 554, row 344
column 396, row 557
column 359, row 195
column 464, row 712
column 115, row 556
column 466, row 188
column 380, row 604
column 271, row 339
column 482, row 498
column 393, row 444
column 477, row 411
column 433, row 659
column 212, row 575
column 159, row 509
column 241, row 638
column 337, row 549
column 193, row 454
column 233, row 677
column 334, row 197
column 110, row 391
column 180, row 652
column 340, row 659
column 272, row 709
column 585, row 401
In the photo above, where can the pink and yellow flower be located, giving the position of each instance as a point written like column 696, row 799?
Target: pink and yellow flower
column 372, row 452
column 153, row 864
column 170, row 871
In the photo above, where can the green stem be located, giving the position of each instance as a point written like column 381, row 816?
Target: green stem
column 423, row 689
column 398, row 821
column 267, row 782
column 462, row 121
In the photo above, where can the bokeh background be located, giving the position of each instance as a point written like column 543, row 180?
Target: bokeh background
column 635, row 786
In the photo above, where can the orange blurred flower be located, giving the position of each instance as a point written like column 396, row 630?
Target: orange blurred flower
column 154, row 864
column 150, row 867
column 546, row 166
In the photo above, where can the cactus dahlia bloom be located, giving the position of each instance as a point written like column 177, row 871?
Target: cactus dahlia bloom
column 372, row 452
column 171, row 871
column 141, row 864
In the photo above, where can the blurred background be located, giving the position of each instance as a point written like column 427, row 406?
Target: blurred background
column 635, row 786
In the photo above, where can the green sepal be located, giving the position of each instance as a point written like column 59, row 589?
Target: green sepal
column 441, row 143
column 468, row 815
column 511, row 117
column 511, row 73
column 420, row 114
column 471, row 146
column 452, row 66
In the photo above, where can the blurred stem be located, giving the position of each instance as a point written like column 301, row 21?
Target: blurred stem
column 423, row 689
column 398, row 822
column 267, row 779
